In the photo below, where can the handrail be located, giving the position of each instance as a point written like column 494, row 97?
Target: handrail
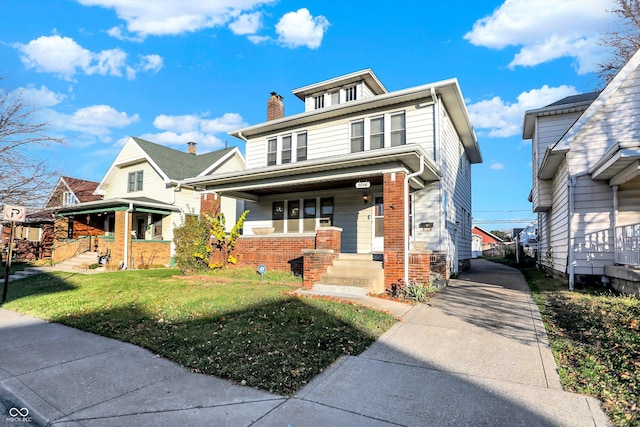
column 72, row 248
column 627, row 245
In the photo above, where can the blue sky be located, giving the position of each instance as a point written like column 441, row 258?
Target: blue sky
column 178, row 71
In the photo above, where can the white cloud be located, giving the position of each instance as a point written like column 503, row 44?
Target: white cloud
column 174, row 17
column 95, row 120
column 40, row 98
column 247, row 23
column 152, row 63
column 496, row 118
column 301, row 29
column 547, row 30
column 54, row 54
column 496, row 166
column 178, row 130
column 64, row 57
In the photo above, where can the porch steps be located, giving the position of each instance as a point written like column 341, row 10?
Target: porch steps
column 352, row 275
column 78, row 262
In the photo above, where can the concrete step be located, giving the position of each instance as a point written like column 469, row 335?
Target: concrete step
column 354, row 271
column 345, row 290
column 329, row 293
column 350, row 280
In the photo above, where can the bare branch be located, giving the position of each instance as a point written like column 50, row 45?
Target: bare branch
column 24, row 179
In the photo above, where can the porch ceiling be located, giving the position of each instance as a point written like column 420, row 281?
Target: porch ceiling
column 326, row 173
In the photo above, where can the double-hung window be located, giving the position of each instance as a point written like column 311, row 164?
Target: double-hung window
column 301, row 146
column 376, row 138
column 135, row 181
column 272, row 152
column 357, row 136
column 398, row 130
column 286, row 149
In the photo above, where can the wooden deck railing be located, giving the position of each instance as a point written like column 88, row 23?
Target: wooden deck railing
column 627, row 251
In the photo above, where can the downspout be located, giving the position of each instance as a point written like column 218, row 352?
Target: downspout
column 614, row 189
column 173, row 194
column 437, row 158
column 406, row 217
column 571, row 181
column 127, row 235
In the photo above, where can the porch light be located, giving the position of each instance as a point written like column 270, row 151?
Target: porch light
column 88, row 218
column 365, row 198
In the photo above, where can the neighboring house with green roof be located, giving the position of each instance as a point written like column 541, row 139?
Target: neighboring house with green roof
column 143, row 200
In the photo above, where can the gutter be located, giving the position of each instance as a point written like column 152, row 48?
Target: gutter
column 406, row 218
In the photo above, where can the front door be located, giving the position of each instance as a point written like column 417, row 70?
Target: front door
column 377, row 242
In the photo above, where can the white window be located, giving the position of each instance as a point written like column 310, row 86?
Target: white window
column 398, row 131
column 68, row 198
column 318, row 101
column 286, row 149
column 135, row 181
column 350, row 93
column 335, row 97
column 272, row 152
column 301, row 147
column 376, row 137
column 357, row 136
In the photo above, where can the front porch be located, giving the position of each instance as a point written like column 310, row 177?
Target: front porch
column 133, row 233
column 625, row 275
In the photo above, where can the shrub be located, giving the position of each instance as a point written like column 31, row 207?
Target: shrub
column 192, row 246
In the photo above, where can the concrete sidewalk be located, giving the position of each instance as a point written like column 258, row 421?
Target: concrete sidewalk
column 476, row 355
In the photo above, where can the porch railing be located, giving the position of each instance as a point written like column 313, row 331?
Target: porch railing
column 62, row 251
column 627, row 251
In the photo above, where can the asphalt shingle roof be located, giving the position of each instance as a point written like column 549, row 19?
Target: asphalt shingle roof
column 575, row 99
column 180, row 164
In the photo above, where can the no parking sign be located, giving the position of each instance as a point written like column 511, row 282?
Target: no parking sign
column 13, row 213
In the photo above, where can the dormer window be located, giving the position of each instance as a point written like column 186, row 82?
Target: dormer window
column 318, row 101
column 350, row 93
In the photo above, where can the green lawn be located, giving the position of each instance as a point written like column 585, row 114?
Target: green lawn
column 595, row 338
column 231, row 324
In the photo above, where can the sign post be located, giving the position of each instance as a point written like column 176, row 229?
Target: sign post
column 12, row 214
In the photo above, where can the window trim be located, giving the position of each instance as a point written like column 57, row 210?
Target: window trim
column 135, row 181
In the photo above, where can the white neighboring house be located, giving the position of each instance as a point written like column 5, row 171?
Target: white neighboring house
column 586, row 182
column 390, row 170
column 143, row 199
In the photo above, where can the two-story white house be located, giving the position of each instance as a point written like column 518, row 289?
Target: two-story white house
column 586, row 182
column 142, row 199
column 386, row 175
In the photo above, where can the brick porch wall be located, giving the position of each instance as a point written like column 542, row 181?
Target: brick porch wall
column 289, row 252
column 420, row 267
column 281, row 252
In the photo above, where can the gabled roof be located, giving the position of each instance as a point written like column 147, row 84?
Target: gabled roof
column 171, row 164
column 82, row 188
column 178, row 165
column 569, row 104
column 487, row 233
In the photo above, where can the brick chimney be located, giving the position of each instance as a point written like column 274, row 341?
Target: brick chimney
column 191, row 147
column 275, row 107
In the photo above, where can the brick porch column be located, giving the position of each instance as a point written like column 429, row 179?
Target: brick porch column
column 210, row 204
column 394, row 238
column 119, row 235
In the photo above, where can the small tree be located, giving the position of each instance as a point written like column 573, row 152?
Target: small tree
column 23, row 178
column 192, row 245
column 221, row 242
